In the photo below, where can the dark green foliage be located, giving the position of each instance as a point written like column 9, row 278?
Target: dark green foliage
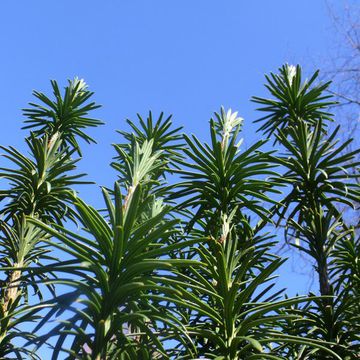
column 40, row 186
column 119, row 271
column 221, row 177
column 293, row 100
column 317, row 170
column 66, row 114
column 181, row 267
column 320, row 177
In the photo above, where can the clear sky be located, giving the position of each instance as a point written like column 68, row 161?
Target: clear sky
column 184, row 57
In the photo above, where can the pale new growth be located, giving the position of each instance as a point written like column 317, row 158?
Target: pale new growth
column 291, row 72
column 80, row 84
column 226, row 225
column 229, row 121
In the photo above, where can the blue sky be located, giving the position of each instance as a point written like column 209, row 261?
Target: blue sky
column 186, row 58
column 183, row 57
